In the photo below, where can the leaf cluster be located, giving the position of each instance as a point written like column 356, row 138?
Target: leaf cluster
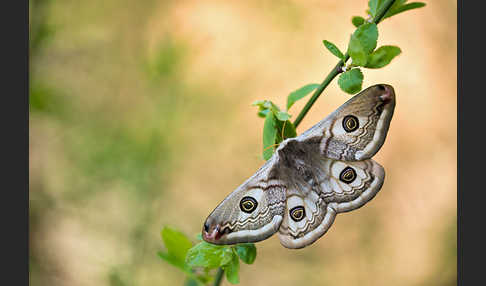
column 277, row 126
column 200, row 261
column 362, row 45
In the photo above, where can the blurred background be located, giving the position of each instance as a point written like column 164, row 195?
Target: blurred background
column 141, row 116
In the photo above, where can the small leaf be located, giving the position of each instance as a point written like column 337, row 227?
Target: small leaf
column 357, row 21
column 263, row 113
column 232, row 269
column 227, row 256
column 351, row 81
column 367, row 35
column 396, row 4
column 362, row 43
column 288, row 131
column 269, row 135
column 403, row 8
column 273, row 106
column 382, row 56
column 246, row 252
column 206, row 255
column 258, row 103
column 262, row 104
column 300, row 93
column 282, row 116
column 374, row 6
column 333, row 49
column 174, row 261
column 177, row 243
column 356, row 52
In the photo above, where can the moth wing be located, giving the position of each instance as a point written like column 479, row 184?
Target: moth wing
column 318, row 218
column 329, row 187
column 357, row 129
column 228, row 223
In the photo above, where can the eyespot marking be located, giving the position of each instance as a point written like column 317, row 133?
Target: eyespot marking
column 348, row 175
column 350, row 123
column 248, row 204
column 297, row 213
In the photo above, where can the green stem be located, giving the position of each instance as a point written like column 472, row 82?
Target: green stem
column 335, row 71
column 219, row 277
column 338, row 68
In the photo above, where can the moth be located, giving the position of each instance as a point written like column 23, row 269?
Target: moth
column 310, row 178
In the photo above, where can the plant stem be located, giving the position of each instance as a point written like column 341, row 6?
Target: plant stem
column 337, row 69
column 219, row 277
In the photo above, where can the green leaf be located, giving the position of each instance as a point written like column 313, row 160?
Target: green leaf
column 374, row 6
column 396, row 4
column 232, row 269
column 300, row 93
column 269, row 135
column 258, row 102
column 177, row 243
column 367, row 35
column 264, row 106
column 333, row 49
column 382, row 56
column 282, row 116
column 174, row 261
column 247, row 252
column 227, row 256
column 263, row 113
column 273, row 106
column 362, row 43
column 403, row 8
column 351, row 81
column 288, row 131
column 206, row 255
column 357, row 21
column 356, row 52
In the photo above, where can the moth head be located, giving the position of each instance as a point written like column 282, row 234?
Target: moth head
column 249, row 214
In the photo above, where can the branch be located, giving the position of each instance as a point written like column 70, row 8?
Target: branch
column 338, row 68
